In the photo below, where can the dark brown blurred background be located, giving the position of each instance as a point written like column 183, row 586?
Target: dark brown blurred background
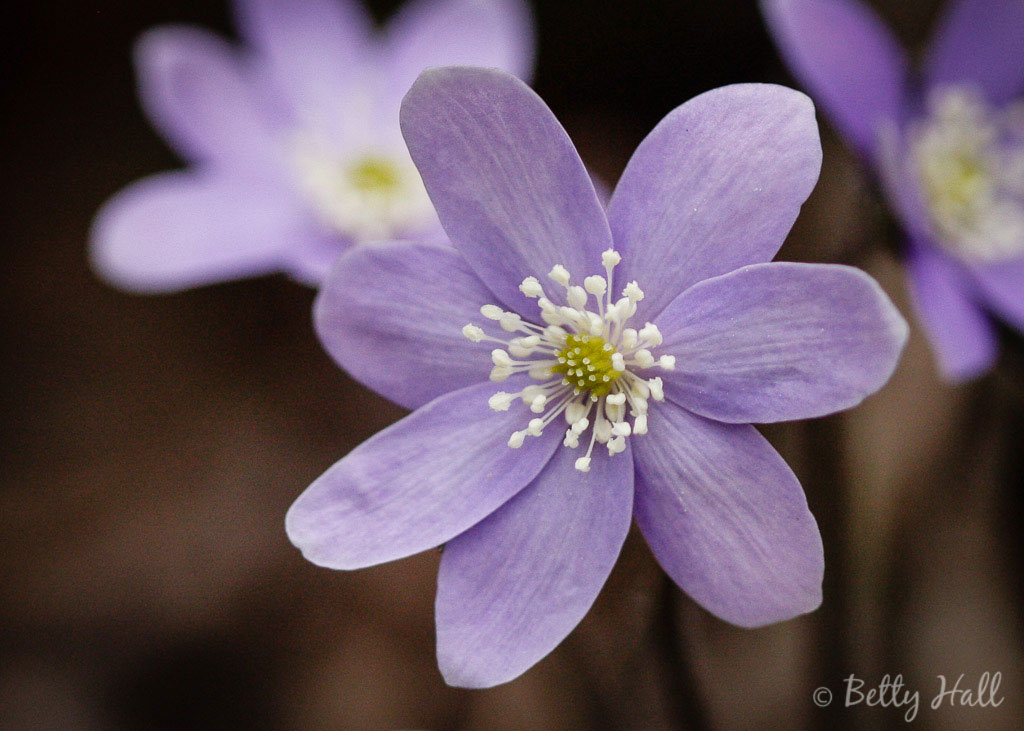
column 152, row 445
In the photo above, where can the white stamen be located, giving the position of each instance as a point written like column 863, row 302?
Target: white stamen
column 577, row 297
column 559, row 274
column 610, row 258
column 595, row 386
column 531, row 287
column 492, row 312
column 596, row 285
column 501, row 401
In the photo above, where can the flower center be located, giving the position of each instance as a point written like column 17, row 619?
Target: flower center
column 375, row 176
column 371, row 195
column 584, row 361
column 970, row 159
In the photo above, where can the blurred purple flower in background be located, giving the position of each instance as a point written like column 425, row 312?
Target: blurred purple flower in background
column 948, row 148
column 531, row 490
column 293, row 143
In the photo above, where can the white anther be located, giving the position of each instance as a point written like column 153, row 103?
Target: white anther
column 510, row 322
column 531, row 287
column 492, row 312
column 617, row 399
column 559, row 274
column 518, row 351
column 629, row 339
column 640, row 424
column 616, row 445
column 516, row 440
column 580, row 425
column 633, row 292
column 644, row 359
column 571, row 439
column 667, row 362
column 473, row 332
column 596, row 285
column 577, row 297
column 500, row 373
column 621, row 429
column 500, row 358
column 651, row 334
column 618, row 363
column 583, row 464
column 540, row 372
column 610, row 258
column 500, row 401
column 657, row 389
column 575, row 411
column 537, row 406
column 623, row 309
column 555, row 333
column 535, row 427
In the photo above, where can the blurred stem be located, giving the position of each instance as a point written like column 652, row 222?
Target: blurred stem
column 682, row 691
column 830, row 497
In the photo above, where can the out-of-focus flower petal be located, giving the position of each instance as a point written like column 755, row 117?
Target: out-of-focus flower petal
column 417, row 484
column 178, row 230
column 513, row 586
column 509, row 188
column 1002, row 286
column 199, row 95
column 726, row 518
column 780, row 341
column 980, row 42
column 392, row 316
column 316, row 51
column 848, row 60
column 424, row 33
column 960, row 332
column 716, row 186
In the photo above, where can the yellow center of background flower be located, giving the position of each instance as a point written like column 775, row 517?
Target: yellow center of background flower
column 375, row 175
column 586, row 363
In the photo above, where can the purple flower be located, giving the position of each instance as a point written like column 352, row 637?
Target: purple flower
column 293, row 143
column 626, row 392
column 948, row 147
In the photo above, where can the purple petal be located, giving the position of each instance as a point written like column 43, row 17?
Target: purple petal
column 726, row 518
column 390, row 320
column 424, row 33
column 716, row 185
column 848, row 60
column 312, row 262
column 418, row 483
column 508, row 186
column 512, row 587
column 179, row 230
column 1002, row 286
column 773, row 342
column 198, row 95
column 315, row 49
column 960, row 333
column 980, row 42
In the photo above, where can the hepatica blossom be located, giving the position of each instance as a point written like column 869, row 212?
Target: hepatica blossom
column 293, row 142
column 947, row 144
column 571, row 369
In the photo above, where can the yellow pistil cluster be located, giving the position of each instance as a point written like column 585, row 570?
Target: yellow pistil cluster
column 375, row 175
column 586, row 363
